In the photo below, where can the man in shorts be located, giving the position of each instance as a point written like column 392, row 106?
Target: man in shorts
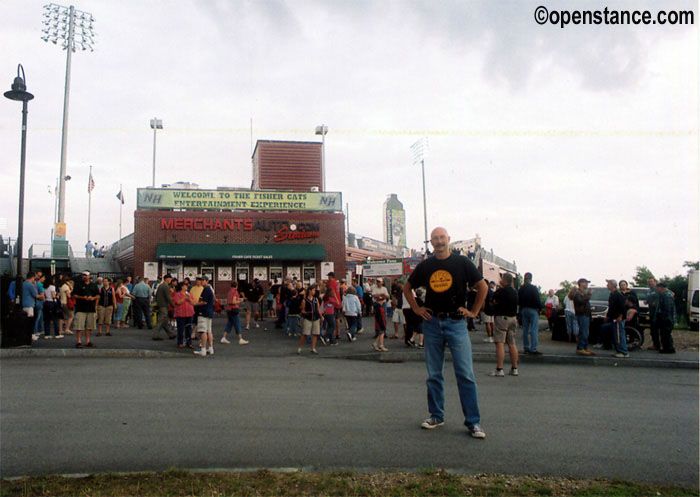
column 205, row 318
column 487, row 313
column 398, row 318
column 505, row 308
column 253, row 295
column 86, row 296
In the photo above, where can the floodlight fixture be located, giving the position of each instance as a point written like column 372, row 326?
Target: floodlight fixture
column 67, row 25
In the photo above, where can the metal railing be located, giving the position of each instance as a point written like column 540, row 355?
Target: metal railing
column 40, row 251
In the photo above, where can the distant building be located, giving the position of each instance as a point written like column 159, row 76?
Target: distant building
column 287, row 165
column 489, row 264
column 394, row 222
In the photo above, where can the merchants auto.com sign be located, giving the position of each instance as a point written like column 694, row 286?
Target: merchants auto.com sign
column 283, row 229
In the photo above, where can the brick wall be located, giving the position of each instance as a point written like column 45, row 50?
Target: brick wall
column 148, row 234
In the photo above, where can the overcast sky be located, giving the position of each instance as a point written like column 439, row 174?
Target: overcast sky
column 572, row 151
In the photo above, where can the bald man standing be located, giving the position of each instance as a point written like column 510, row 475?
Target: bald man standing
column 445, row 276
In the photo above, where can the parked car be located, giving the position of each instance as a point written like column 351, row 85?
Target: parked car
column 599, row 309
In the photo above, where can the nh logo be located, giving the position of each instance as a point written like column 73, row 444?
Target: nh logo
column 152, row 198
column 328, row 200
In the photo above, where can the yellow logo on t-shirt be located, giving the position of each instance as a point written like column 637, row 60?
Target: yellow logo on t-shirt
column 440, row 281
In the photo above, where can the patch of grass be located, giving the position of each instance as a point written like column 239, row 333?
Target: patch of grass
column 429, row 481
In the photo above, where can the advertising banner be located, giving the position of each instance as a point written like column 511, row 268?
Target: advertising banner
column 246, row 200
column 388, row 268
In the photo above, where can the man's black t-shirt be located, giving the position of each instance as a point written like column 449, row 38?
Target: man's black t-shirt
column 253, row 293
column 505, row 302
column 85, row 290
column 446, row 281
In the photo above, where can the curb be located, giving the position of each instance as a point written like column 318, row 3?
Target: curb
column 398, row 357
column 388, row 357
column 87, row 353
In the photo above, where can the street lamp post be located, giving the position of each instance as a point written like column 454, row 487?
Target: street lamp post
column 420, row 151
column 156, row 124
column 19, row 92
column 323, row 131
column 72, row 28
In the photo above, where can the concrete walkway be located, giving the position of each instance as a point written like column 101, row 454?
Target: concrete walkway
column 267, row 341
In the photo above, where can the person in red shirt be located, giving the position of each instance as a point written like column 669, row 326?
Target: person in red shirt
column 334, row 286
column 233, row 300
column 183, row 311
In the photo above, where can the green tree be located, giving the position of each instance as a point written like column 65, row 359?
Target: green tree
column 679, row 287
column 692, row 265
column 642, row 275
column 564, row 288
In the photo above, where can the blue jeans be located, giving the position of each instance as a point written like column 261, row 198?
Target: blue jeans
column 352, row 324
column 51, row 311
column 571, row 324
column 584, row 325
column 617, row 330
column 437, row 333
column 292, row 324
column 531, row 326
column 233, row 322
column 38, row 316
column 329, row 321
column 184, row 330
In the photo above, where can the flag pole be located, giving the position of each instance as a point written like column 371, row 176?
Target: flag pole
column 89, row 201
column 121, row 203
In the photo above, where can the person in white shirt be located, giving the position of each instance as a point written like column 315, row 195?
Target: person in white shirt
column 51, row 310
column 550, row 308
column 570, row 316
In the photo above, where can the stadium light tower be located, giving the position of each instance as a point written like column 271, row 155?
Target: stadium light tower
column 323, row 131
column 420, row 152
column 156, row 124
column 72, row 29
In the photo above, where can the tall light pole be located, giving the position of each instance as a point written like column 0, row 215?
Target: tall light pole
column 156, row 124
column 19, row 93
column 72, row 28
column 420, row 152
column 323, row 131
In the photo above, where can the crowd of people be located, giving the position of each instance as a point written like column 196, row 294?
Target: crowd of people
column 324, row 311
column 455, row 295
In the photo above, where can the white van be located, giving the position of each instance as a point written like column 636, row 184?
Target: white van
column 692, row 306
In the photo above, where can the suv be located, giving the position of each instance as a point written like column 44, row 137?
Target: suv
column 599, row 303
column 599, row 309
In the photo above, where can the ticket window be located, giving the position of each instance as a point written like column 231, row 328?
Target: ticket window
column 276, row 274
column 242, row 275
column 208, row 272
column 309, row 275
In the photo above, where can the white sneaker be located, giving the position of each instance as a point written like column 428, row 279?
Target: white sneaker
column 513, row 372
column 59, row 336
column 47, row 337
column 477, row 432
column 224, row 340
column 488, row 340
column 299, row 350
column 35, row 337
column 247, row 327
column 257, row 325
column 201, row 353
column 210, row 351
column 497, row 372
column 241, row 341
